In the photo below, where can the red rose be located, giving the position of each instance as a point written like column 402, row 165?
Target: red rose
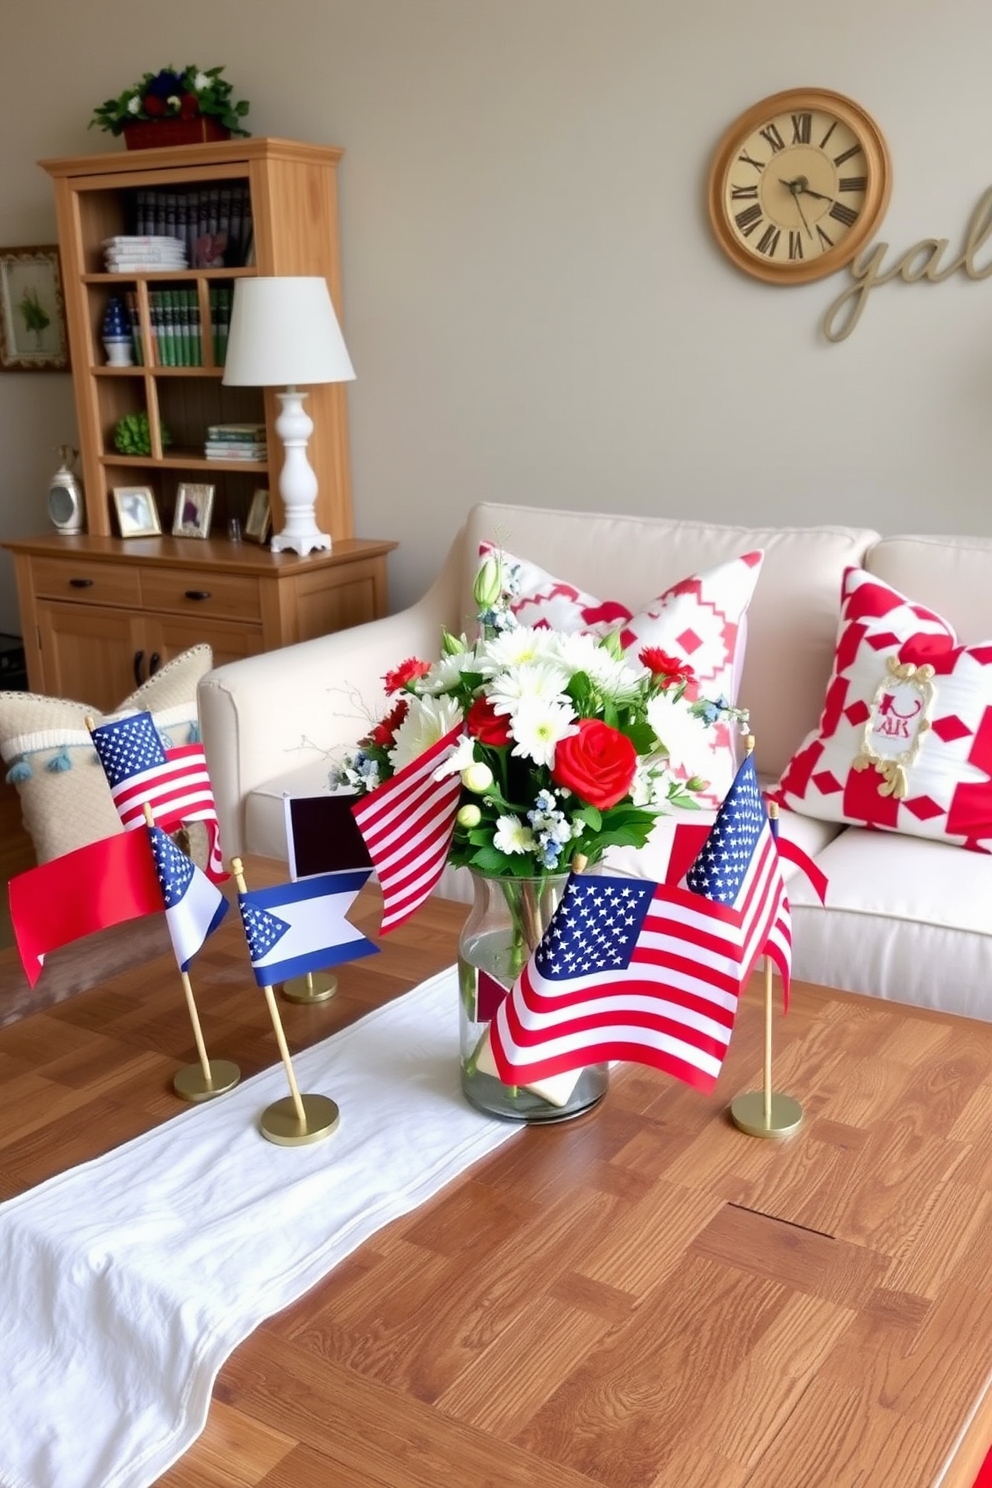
column 152, row 104
column 486, row 725
column 384, row 732
column 597, row 763
column 189, row 106
column 668, row 671
column 407, row 671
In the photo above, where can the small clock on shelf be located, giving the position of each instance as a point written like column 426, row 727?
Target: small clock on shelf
column 65, row 495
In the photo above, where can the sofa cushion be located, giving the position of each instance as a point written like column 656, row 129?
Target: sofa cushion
column 906, row 919
column 701, row 619
column 65, row 800
column 904, row 742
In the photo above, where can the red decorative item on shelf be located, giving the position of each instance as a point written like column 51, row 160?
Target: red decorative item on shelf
column 152, row 134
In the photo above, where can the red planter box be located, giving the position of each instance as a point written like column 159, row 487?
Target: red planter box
column 151, row 134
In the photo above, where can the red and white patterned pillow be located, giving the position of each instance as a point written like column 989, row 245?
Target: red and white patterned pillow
column 905, row 739
column 702, row 620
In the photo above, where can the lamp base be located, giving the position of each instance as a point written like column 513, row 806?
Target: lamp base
column 300, row 542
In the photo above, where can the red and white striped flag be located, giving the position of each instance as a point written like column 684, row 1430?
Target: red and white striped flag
column 407, row 824
column 630, row 969
column 174, row 782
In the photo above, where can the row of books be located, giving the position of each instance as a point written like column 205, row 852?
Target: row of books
column 236, row 442
column 175, row 326
column 213, row 222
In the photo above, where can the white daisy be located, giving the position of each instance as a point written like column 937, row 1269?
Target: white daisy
column 682, row 734
column 512, row 836
column 515, row 647
column 545, row 680
column 428, row 720
column 538, row 723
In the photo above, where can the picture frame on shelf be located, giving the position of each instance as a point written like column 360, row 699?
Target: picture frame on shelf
column 137, row 511
column 33, row 335
column 194, row 504
column 259, row 518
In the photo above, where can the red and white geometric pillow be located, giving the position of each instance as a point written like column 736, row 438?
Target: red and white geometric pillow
column 700, row 620
column 905, row 739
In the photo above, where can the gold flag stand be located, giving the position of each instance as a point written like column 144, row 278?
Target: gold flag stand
column 316, row 986
column 296, row 1119
column 766, row 1112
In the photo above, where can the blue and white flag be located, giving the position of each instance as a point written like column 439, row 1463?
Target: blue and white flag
column 298, row 927
column 194, row 907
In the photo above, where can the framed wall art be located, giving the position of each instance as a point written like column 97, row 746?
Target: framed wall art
column 137, row 511
column 32, row 311
column 259, row 518
column 194, row 504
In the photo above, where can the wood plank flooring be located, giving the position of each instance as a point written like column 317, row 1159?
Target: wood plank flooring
column 16, row 851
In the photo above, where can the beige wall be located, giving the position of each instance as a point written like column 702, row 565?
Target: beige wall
column 534, row 304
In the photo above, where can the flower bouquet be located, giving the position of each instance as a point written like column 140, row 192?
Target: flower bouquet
column 193, row 93
column 565, row 746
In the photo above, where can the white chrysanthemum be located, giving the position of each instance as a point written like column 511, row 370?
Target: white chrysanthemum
column 134, row 104
column 512, row 836
column 538, row 724
column 458, row 760
column 514, row 648
column 446, row 674
column 428, row 720
column 201, row 81
column 682, row 733
column 543, row 680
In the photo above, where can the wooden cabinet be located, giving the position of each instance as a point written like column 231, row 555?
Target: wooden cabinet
column 95, row 627
column 95, row 609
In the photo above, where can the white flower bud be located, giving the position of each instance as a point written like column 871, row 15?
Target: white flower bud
column 477, row 778
column 469, row 816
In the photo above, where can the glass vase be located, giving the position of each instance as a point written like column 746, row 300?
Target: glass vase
column 506, row 922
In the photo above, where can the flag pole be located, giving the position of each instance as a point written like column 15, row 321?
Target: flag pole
column 296, row 1119
column 765, row 1112
column 211, row 1076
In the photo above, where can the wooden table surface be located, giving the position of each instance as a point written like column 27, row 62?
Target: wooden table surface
column 644, row 1297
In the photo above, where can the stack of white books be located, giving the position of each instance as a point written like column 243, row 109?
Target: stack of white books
column 235, row 442
column 126, row 255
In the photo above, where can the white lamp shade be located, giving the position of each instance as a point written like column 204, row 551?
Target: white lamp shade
column 284, row 333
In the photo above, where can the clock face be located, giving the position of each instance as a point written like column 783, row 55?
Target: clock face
column 798, row 185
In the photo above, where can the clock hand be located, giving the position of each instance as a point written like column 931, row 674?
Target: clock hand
column 817, row 194
column 795, row 188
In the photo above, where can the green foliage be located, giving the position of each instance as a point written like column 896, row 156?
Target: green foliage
column 169, row 94
column 35, row 317
column 132, row 435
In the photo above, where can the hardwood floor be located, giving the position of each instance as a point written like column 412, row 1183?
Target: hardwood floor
column 16, row 852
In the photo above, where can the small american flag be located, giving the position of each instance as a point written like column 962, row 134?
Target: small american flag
column 407, row 823
column 173, row 782
column 630, row 969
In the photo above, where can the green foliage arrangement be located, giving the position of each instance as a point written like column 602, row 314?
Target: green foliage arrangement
column 173, row 95
column 132, row 436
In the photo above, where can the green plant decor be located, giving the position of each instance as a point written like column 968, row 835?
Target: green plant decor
column 132, row 435
column 173, row 95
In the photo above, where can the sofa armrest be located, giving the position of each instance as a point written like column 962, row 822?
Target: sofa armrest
column 286, row 708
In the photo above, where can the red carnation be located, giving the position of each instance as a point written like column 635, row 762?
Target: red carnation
column 668, row 671
column 408, row 671
column 189, row 106
column 152, row 104
column 384, row 732
column 486, row 725
column 597, row 763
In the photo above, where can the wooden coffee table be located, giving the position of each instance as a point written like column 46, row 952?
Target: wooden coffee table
column 642, row 1298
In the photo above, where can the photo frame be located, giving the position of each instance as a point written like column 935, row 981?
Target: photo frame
column 194, row 504
column 259, row 518
column 33, row 336
column 137, row 511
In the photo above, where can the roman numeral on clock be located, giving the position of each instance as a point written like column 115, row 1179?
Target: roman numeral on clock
column 768, row 242
column 795, row 245
column 847, row 154
column 852, row 183
column 745, row 159
column 744, row 193
column 841, row 213
column 824, row 240
column 771, row 134
column 802, row 125
column 748, row 220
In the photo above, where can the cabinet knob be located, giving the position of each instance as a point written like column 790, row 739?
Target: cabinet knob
column 80, row 583
column 139, row 657
column 154, row 662
column 198, row 594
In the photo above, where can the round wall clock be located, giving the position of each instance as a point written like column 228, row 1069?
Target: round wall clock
column 798, row 185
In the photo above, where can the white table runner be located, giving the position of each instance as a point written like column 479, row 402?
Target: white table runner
column 126, row 1282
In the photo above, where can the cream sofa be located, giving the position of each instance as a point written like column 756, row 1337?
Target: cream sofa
column 906, row 918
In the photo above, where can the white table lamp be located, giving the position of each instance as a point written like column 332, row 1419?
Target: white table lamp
column 284, row 331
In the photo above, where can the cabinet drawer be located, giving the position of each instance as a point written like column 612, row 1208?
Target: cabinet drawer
column 90, row 583
column 201, row 592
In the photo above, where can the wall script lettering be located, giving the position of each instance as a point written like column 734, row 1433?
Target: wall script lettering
column 922, row 261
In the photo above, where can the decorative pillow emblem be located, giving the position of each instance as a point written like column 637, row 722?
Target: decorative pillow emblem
column 898, row 718
column 701, row 620
column 910, row 751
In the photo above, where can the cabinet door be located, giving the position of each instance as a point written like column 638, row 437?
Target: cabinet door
column 88, row 653
column 165, row 636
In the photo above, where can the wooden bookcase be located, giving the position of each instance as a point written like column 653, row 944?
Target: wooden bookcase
column 101, row 594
